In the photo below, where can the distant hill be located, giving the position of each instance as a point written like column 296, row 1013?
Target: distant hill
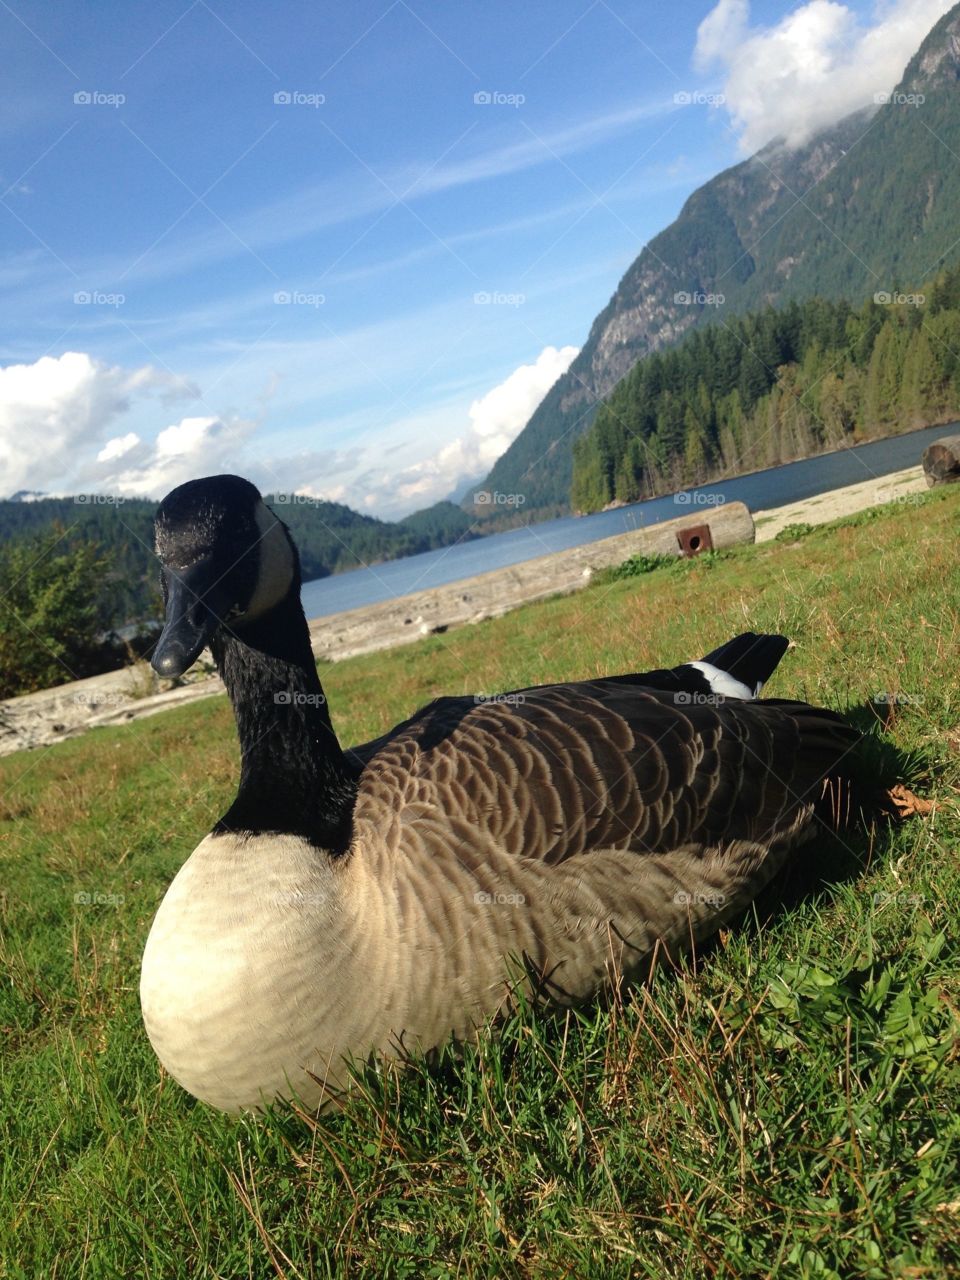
column 331, row 537
column 869, row 204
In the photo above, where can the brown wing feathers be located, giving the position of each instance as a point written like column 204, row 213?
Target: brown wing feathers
column 602, row 766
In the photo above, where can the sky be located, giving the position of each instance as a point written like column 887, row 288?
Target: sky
column 344, row 250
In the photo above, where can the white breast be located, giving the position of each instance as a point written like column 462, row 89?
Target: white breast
column 238, row 998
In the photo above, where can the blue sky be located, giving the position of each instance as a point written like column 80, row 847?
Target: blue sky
column 346, row 249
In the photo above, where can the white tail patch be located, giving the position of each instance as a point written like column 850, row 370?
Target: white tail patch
column 723, row 683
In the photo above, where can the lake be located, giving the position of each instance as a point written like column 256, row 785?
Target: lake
column 760, row 490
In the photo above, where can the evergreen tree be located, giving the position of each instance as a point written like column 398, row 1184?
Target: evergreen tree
column 884, row 374
column 54, row 607
column 922, row 393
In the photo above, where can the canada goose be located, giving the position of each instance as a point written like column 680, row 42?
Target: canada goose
column 379, row 899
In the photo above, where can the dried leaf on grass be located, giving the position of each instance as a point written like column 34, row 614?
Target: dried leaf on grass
column 906, row 804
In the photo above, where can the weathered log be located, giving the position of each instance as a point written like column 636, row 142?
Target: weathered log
column 941, row 461
column 378, row 626
column 706, row 527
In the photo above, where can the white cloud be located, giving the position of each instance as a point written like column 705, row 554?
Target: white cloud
column 496, row 419
column 53, row 410
column 814, row 66
column 308, row 472
column 186, row 449
column 118, row 446
column 56, row 415
column 185, row 438
column 54, row 421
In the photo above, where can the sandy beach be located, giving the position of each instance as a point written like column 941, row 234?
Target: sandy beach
column 900, row 486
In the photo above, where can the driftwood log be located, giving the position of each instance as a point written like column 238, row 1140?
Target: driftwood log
column 487, row 595
column 941, row 461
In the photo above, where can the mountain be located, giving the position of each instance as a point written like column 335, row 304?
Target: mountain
column 772, row 386
column 867, row 205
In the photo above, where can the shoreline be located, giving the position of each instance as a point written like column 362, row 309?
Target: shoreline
column 48, row 716
column 717, row 481
column 899, row 486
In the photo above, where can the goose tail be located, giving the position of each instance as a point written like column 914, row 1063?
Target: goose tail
column 741, row 667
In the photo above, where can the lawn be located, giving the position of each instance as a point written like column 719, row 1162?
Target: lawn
column 786, row 1104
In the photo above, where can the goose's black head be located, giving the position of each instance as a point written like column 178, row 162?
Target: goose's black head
column 225, row 560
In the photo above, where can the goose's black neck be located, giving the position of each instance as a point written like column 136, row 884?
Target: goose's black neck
column 294, row 776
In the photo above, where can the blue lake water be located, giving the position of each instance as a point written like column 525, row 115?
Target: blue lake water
column 761, row 491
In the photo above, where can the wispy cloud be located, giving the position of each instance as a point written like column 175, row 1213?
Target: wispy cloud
column 353, row 195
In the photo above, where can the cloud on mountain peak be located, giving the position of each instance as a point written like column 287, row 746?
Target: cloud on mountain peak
column 818, row 63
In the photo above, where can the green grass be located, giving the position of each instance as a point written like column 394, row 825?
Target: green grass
column 787, row 1104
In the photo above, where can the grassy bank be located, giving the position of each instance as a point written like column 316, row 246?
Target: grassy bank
column 786, row 1105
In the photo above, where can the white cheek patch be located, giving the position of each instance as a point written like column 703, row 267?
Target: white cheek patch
column 275, row 573
column 723, row 683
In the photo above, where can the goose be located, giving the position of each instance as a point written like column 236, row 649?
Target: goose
column 386, row 899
